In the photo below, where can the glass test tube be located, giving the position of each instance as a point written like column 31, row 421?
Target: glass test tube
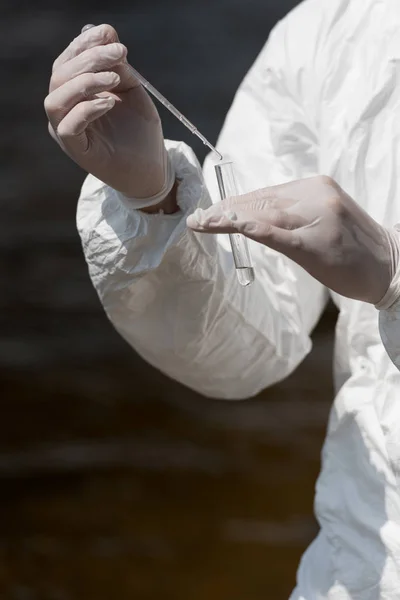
column 241, row 255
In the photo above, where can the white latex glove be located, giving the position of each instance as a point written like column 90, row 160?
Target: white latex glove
column 317, row 225
column 104, row 120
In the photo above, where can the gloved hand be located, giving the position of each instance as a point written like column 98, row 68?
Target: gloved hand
column 317, row 225
column 104, row 120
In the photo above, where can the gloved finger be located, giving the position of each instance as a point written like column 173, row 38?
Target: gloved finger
column 72, row 129
column 128, row 79
column 99, row 35
column 285, row 240
column 261, row 199
column 92, row 37
column 226, row 218
column 93, row 60
column 59, row 102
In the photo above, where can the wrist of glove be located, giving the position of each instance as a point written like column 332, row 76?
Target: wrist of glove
column 392, row 296
column 169, row 180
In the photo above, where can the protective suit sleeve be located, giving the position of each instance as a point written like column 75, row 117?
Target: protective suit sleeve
column 172, row 293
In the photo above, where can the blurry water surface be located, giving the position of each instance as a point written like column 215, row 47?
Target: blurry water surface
column 115, row 481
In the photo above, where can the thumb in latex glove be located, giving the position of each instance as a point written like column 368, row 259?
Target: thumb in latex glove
column 317, row 225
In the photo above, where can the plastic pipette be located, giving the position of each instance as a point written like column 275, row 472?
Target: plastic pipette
column 146, row 84
column 192, row 128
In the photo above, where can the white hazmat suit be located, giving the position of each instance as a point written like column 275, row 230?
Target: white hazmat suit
column 323, row 97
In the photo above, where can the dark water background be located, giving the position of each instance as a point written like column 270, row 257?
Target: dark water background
column 116, row 482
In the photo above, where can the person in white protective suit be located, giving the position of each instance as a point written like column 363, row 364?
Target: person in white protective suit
column 315, row 127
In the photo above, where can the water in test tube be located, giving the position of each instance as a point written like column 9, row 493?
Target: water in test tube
column 240, row 250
